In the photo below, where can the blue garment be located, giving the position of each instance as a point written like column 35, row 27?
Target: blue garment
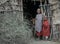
column 38, row 23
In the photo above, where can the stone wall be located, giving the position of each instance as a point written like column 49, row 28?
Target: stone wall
column 13, row 30
column 56, row 16
column 56, row 10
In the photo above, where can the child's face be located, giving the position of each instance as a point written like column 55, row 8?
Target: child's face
column 45, row 18
column 38, row 11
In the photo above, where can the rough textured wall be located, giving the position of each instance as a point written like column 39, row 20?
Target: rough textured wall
column 2, row 1
column 12, row 29
column 56, row 10
column 56, row 16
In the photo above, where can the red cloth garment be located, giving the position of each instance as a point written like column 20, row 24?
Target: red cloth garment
column 38, row 33
column 46, row 28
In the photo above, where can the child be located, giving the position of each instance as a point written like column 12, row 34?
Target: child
column 46, row 28
column 38, row 23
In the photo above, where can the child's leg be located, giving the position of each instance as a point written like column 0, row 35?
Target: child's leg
column 41, row 37
column 37, row 35
column 46, row 37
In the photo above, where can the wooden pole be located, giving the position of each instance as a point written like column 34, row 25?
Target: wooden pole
column 41, row 6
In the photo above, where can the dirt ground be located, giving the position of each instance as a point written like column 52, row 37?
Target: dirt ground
column 42, row 42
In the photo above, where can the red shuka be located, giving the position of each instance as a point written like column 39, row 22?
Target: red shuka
column 38, row 33
column 46, row 28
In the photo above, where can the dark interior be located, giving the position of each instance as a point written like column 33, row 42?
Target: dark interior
column 30, row 7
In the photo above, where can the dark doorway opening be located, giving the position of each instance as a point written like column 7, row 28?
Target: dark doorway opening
column 30, row 7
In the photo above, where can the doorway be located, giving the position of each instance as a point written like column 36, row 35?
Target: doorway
column 30, row 7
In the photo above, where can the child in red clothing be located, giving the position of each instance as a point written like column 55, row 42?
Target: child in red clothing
column 46, row 28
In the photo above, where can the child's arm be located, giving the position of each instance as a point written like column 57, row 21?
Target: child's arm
column 46, row 23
